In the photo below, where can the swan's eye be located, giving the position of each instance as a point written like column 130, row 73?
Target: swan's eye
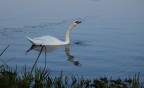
column 77, row 22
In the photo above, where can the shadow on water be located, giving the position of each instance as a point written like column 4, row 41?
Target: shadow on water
column 50, row 48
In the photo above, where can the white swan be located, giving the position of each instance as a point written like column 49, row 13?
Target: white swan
column 50, row 40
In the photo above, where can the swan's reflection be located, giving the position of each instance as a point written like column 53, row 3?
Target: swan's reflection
column 50, row 48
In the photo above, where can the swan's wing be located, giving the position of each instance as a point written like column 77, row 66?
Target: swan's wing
column 49, row 40
column 34, row 41
column 46, row 40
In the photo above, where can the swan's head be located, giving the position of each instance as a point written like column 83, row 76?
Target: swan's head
column 77, row 22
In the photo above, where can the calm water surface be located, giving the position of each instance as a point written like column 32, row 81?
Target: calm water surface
column 108, row 42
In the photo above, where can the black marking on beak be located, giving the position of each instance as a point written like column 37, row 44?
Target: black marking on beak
column 78, row 22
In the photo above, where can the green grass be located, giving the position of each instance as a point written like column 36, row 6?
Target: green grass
column 41, row 78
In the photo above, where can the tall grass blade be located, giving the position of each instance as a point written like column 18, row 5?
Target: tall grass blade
column 37, row 59
column 4, row 50
column 135, row 81
column 45, row 58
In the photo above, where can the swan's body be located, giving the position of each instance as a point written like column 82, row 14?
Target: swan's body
column 50, row 40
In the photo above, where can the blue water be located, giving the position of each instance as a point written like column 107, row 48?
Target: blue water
column 109, row 41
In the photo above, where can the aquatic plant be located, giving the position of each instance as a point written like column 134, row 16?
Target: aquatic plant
column 41, row 78
column 4, row 50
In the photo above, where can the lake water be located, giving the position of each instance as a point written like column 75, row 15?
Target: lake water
column 109, row 41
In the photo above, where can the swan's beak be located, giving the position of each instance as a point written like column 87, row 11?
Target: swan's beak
column 78, row 22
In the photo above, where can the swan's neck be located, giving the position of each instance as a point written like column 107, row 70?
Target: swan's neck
column 67, row 39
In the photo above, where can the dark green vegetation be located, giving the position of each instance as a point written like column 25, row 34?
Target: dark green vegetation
column 41, row 78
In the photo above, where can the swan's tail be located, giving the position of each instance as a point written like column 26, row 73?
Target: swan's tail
column 31, row 40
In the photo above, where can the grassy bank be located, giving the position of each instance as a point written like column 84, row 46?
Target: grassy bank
column 41, row 78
